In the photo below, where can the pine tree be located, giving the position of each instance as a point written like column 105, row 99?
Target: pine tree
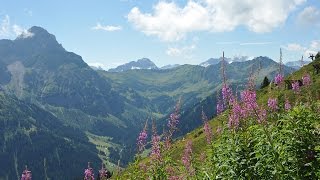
column 265, row 82
column 318, row 55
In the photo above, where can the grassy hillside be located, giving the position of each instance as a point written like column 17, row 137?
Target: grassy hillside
column 286, row 145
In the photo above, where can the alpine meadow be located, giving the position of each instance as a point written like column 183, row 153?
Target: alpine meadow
column 156, row 90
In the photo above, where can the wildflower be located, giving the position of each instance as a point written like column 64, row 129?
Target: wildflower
column 102, row 172
column 155, row 152
column 206, row 127
column 273, row 104
column 220, row 106
column 226, row 92
column 142, row 138
column 287, row 105
column 262, row 115
column 296, row 87
column 88, row 173
column 278, row 79
column 26, row 174
column 174, row 118
column 171, row 173
column 155, row 141
column 235, row 115
column 167, row 140
column 186, row 158
column 306, row 80
column 249, row 99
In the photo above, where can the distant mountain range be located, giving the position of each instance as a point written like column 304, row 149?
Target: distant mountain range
column 296, row 64
column 57, row 113
column 146, row 63
column 143, row 63
column 213, row 61
column 170, row 66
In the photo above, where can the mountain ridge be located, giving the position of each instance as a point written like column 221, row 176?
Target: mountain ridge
column 143, row 63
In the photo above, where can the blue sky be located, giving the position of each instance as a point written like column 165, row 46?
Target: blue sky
column 112, row 32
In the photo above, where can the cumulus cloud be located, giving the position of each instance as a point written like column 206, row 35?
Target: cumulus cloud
column 294, row 47
column 21, row 32
column 171, row 22
column 106, row 28
column 5, row 26
column 8, row 30
column 185, row 51
column 98, row 65
column 309, row 16
column 315, row 45
column 312, row 48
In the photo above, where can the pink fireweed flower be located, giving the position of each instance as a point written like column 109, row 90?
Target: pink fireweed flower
column 220, row 106
column 226, row 93
column 186, row 158
column 172, row 174
column 278, row 79
column 88, row 173
column 296, row 87
column 249, row 99
column 167, row 140
column 306, row 80
column 155, row 149
column 206, row 127
column 273, row 104
column 235, row 115
column 102, row 172
column 262, row 115
column 142, row 139
column 174, row 118
column 26, row 174
column 287, row 105
column 155, row 142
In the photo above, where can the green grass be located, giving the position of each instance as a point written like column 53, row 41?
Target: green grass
column 197, row 136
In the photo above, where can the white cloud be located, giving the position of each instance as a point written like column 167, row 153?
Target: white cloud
column 294, row 47
column 7, row 30
column 98, row 65
column 185, row 51
column 315, row 45
column 20, row 32
column 170, row 22
column 5, row 26
column 105, row 66
column 312, row 48
column 106, row 28
column 309, row 16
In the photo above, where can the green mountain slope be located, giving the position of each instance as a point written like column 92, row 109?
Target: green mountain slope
column 301, row 116
column 196, row 85
column 34, row 137
column 198, row 136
